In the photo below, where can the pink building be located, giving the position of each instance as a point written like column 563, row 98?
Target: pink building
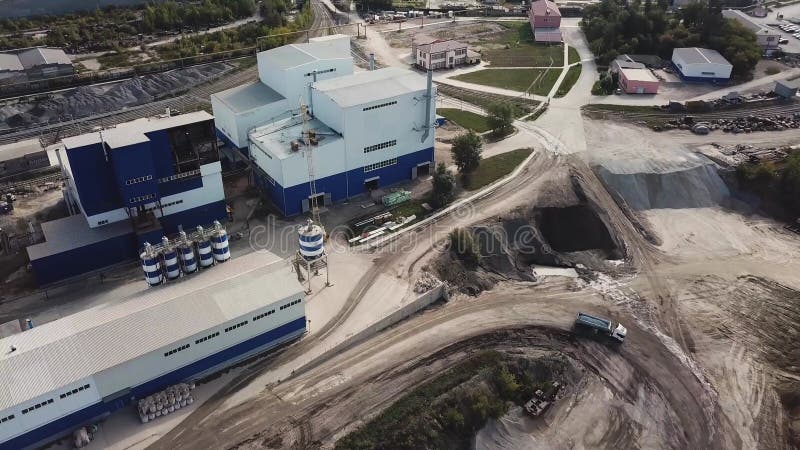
column 545, row 21
column 637, row 81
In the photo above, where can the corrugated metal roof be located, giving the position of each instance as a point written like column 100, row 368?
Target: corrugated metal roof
column 79, row 232
column 20, row 149
column 132, row 132
column 41, row 56
column 293, row 55
column 696, row 55
column 10, row 62
column 86, row 343
column 364, row 87
column 248, row 97
column 742, row 18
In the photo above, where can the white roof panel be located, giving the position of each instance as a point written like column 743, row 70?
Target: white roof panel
column 79, row 232
column 41, row 56
column 365, row 87
column 93, row 340
column 696, row 55
column 248, row 97
column 9, row 61
column 20, row 149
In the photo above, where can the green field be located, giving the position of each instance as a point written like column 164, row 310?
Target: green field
column 521, row 51
column 520, row 105
column 495, row 167
column 572, row 76
column 466, row 119
column 521, row 80
column 573, row 56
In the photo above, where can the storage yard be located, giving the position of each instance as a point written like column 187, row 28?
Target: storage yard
column 625, row 264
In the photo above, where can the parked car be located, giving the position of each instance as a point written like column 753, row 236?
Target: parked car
column 782, row 41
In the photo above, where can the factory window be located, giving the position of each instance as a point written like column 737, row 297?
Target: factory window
column 178, row 176
column 210, row 336
column 142, row 198
column 262, row 315
column 380, row 165
column 7, row 418
column 37, row 406
column 102, row 222
column 380, row 146
column 707, row 73
column 288, row 305
column 164, row 205
column 368, row 108
column 322, row 71
column 233, row 327
column 176, row 350
column 138, row 180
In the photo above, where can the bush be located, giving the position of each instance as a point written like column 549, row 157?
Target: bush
column 444, row 184
column 500, row 118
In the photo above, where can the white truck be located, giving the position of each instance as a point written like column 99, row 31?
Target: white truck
column 600, row 327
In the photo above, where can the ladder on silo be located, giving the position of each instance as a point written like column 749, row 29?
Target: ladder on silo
column 312, row 184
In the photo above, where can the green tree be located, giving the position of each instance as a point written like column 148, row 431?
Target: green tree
column 444, row 184
column 500, row 118
column 466, row 151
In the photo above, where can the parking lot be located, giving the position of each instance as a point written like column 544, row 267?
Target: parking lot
column 771, row 22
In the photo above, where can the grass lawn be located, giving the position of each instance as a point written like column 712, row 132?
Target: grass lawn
column 521, row 50
column 514, row 79
column 573, row 56
column 466, row 119
column 520, row 105
column 411, row 208
column 573, row 74
column 495, row 167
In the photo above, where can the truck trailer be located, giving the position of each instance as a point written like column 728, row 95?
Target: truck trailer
column 600, row 327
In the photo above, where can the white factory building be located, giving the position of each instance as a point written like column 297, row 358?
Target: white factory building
column 365, row 130
column 70, row 372
column 701, row 64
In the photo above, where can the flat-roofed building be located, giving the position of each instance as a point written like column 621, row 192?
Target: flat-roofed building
column 701, row 64
column 637, row 80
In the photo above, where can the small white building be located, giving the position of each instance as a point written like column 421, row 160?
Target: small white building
column 766, row 38
column 431, row 53
column 701, row 64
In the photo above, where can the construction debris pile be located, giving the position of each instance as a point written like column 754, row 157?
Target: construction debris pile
column 425, row 283
column 747, row 124
column 165, row 402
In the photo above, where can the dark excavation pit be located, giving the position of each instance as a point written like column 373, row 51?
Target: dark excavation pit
column 573, row 228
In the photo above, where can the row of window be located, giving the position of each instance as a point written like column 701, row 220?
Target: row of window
column 178, row 176
column 289, row 305
column 7, row 418
column 321, row 71
column 210, row 336
column 142, row 198
column 380, row 106
column 164, row 205
column 138, row 180
column 102, row 222
column 74, row 391
column 233, row 327
column 262, row 315
column 176, row 350
column 380, row 146
column 37, row 406
column 380, row 165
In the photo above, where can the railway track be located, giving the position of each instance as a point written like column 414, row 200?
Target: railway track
column 756, row 110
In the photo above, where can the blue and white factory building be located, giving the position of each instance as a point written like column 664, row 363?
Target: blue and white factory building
column 128, row 185
column 366, row 130
column 73, row 371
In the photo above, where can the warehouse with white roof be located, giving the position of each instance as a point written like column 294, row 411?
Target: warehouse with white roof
column 171, row 333
column 365, row 130
column 701, row 64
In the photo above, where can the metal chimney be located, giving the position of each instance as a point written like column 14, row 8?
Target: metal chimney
column 372, row 61
column 428, row 98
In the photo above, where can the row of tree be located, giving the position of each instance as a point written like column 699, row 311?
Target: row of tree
column 615, row 27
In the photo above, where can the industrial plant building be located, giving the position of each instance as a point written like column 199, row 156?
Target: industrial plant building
column 128, row 185
column 767, row 39
column 701, row 64
column 73, row 371
column 24, row 156
column 33, row 64
column 362, row 131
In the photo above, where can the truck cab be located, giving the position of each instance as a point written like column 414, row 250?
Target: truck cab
column 619, row 333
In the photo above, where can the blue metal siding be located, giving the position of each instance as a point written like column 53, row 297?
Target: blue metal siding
column 230, row 355
column 711, row 80
column 289, row 200
column 202, row 215
column 85, row 259
column 178, row 186
column 131, row 162
column 94, row 179
column 162, row 154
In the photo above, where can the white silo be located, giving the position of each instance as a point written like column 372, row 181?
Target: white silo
column 172, row 268
column 151, row 265
column 204, row 249
column 219, row 243
column 311, row 237
column 186, row 253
